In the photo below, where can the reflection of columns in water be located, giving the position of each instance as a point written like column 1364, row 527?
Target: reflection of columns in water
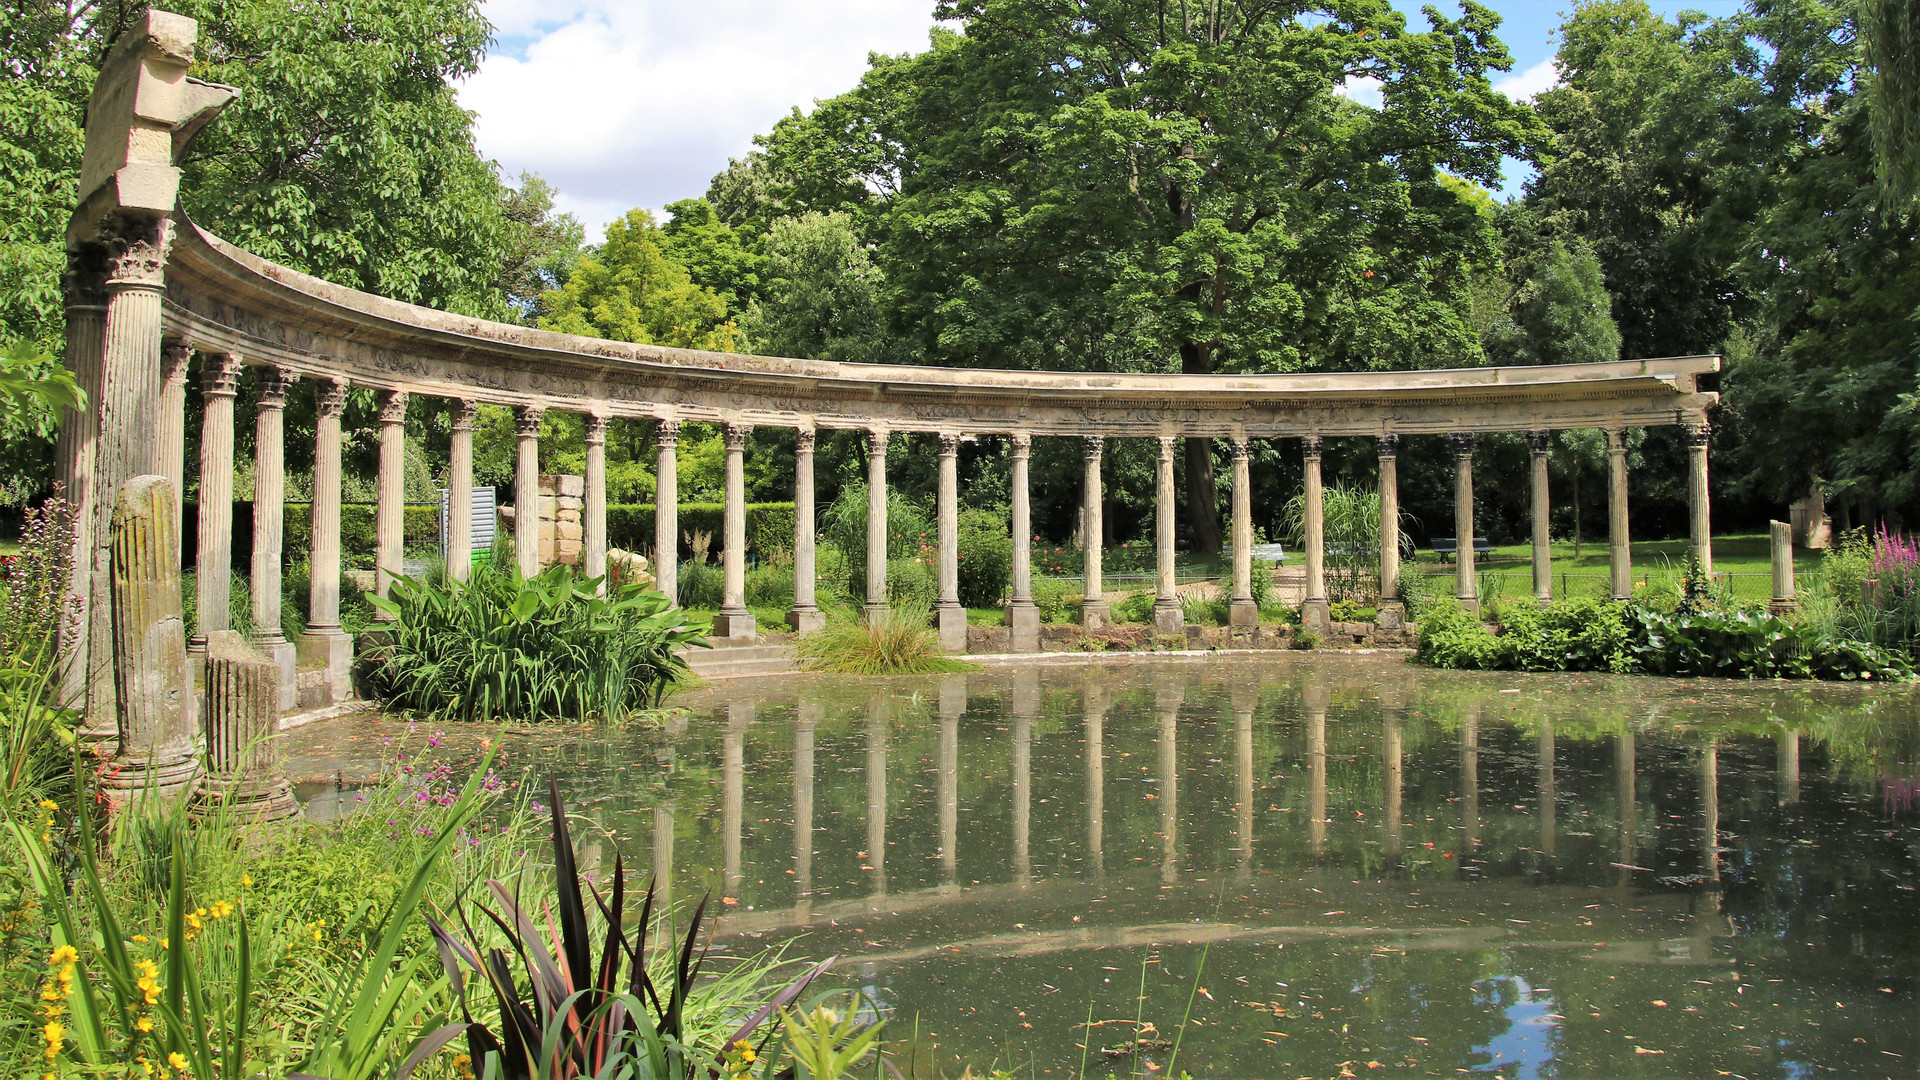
column 1710, row 818
column 1245, row 699
column 806, row 721
column 1624, row 797
column 953, row 703
column 733, row 790
column 877, row 792
column 1470, row 780
column 1546, row 843
column 663, row 829
column 1788, row 778
column 1316, row 706
column 1396, row 782
column 1167, row 706
column 1094, row 708
column 1026, row 703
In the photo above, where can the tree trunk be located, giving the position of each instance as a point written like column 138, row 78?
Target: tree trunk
column 1203, row 499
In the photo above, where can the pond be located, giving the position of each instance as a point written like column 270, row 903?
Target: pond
column 1312, row 865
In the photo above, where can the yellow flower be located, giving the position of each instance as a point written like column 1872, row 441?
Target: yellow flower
column 145, row 1024
column 246, row 880
column 56, row 1033
column 463, row 1065
column 63, row 954
column 178, row 1060
column 141, row 938
column 49, row 804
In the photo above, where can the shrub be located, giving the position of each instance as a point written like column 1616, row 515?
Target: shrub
column 770, row 586
column 769, row 525
column 1203, row 610
column 1260, row 581
column 1135, row 607
column 844, row 525
column 1058, row 601
column 893, row 641
column 911, row 582
column 1351, row 526
column 986, row 559
column 701, row 585
column 546, row 647
column 1304, row 638
column 1348, row 611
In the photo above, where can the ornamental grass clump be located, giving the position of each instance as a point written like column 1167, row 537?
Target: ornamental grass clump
column 892, row 641
column 547, row 647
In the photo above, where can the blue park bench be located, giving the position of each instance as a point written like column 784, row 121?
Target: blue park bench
column 1446, row 547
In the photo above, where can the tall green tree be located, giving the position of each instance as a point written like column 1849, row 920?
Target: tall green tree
column 1124, row 185
column 823, row 291
column 628, row 289
column 1890, row 36
column 541, row 245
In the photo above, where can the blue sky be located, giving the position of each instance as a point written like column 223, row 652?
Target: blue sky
column 624, row 103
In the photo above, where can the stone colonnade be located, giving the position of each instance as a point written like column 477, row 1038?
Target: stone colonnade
column 322, row 647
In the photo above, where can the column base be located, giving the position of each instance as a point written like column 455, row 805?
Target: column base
column 952, row 623
column 734, row 626
column 1782, row 607
column 1024, row 618
column 331, row 651
column 1243, row 613
column 1390, row 616
column 873, row 610
column 1544, row 601
column 1316, row 615
column 1168, row 618
column 162, row 770
column 1470, row 603
column 806, row 620
column 287, row 659
column 252, row 802
column 1096, row 616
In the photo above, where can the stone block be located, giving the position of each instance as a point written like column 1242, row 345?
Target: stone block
column 1315, row 617
column 952, row 625
column 807, row 621
column 1243, row 613
column 1392, row 616
column 1023, row 624
column 564, row 530
column 567, row 513
column 569, row 552
column 329, row 652
column 570, row 485
column 991, row 639
column 734, row 626
column 1057, row 637
column 1168, row 619
column 548, row 507
column 1096, row 616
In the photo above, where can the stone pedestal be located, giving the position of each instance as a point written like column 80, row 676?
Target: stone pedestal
column 1024, row 619
column 1096, row 616
column 1316, row 616
column 244, row 764
column 806, row 620
column 734, row 626
column 1168, row 618
column 1243, row 613
column 329, row 651
column 951, row 622
column 1391, row 616
column 156, row 753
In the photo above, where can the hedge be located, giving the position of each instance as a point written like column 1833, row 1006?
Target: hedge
column 769, row 526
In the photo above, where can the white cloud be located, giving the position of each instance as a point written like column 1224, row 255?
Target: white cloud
column 624, row 103
column 1363, row 90
column 1523, row 84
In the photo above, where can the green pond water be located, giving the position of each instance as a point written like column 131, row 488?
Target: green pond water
column 1299, row 867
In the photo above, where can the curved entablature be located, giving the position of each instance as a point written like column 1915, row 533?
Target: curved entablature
column 221, row 298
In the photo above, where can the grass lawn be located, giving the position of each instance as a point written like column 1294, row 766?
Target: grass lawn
column 1743, row 561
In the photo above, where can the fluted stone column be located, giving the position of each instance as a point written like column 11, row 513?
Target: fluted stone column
column 805, row 615
column 593, row 552
column 526, row 490
column 1699, row 499
column 1093, row 701
column 156, row 752
column 807, row 715
column 1548, row 818
column 1392, row 751
column 245, row 763
column 1619, row 545
column 1782, row 536
column 734, row 622
column 948, row 615
column 1022, row 708
column 125, row 406
column 666, row 510
column 1391, row 615
column 1022, row 615
column 733, row 792
column 170, row 439
column 1538, row 443
column 1243, row 609
column 213, row 562
column 877, row 724
column 1314, row 607
column 1166, row 706
column 390, row 497
column 460, row 489
column 323, row 645
column 83, row 289
column 1095, row 614
column 1315, row 700
column 269, row 524
column 953, row 705
column 1244, row 698
column 1465, row 585
column 876, row 521
column 1167, row 618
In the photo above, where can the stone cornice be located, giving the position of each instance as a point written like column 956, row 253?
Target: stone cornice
column 227, row 299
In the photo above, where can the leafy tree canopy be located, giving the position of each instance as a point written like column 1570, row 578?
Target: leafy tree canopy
column 629, row 289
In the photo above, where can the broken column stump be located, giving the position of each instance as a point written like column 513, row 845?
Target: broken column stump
column 156, row 754
column 245, row 765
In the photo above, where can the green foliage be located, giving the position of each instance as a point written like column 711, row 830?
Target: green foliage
column 822, row 296
column 1059, row 601
column 716, row 255
column 893, row 641
column 1559, row 309
column 844, row 525
column 1890, row 38
column 1351, row 529
column 702, row 585
column 586, row 1017
column 769, row 525
column 420, row 528
column 986, row 558
column 1260, row 583
column 628, row 289
column 547, row 647
column 826, row 1043
column 1607, row 635
column 541, row 246
column 1135, row 607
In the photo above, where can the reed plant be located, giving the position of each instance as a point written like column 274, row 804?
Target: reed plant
column 500, row 646
column 893, row 641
